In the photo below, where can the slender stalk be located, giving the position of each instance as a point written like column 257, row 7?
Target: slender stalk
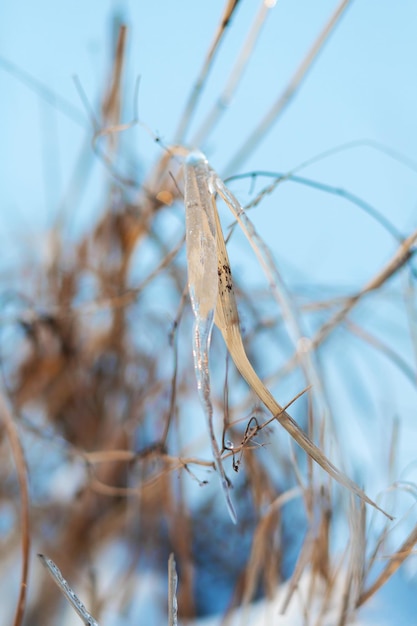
column 236, row 74
column 208, row 62
column 22, row 472
column 264, row 126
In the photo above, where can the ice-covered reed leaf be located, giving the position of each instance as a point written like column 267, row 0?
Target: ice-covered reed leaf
column 201, row 184
column 202, row 284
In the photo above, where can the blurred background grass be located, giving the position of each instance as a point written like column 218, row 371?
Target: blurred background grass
column 96, row 330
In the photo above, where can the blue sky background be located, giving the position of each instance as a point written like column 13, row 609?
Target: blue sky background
column 362, row 87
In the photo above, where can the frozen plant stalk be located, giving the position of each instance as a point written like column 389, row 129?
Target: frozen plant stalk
column 172, row 592
column 209, row 269
column 203, row 286
column 72, row 598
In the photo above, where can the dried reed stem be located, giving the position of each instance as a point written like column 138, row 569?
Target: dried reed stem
column 18, row 453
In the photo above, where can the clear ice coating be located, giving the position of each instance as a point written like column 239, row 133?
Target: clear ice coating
column 201, row 246
column 172, row 592
column 72, row 598
column 201, row 236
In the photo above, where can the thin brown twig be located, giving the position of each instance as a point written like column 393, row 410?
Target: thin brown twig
column 22, row 473
column 395, row 561
column 261, row 536
column 398, row 260
column 112, row 101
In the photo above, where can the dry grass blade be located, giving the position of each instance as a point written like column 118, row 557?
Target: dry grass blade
column 96, row 350
column 278, row 107
column 44, row 92
column 261, row 544
column 112, row 102
column 356, row 566
column 394, row 563
column 382, row 347
column 400, row 258
column 18, row 454
column 283, row 298
column 227, row 320
column 225, row 97
column 301, row 565
column 198, row 86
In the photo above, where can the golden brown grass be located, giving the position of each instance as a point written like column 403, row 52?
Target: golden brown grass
column 102, row 381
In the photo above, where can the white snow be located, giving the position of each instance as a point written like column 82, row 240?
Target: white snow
column 394, row 605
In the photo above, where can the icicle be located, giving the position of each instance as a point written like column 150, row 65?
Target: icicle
column 203, row 286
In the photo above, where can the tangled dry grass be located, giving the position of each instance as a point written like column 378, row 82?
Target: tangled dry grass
column 101, row 440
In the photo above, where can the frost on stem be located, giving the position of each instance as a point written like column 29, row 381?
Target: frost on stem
column 72, row 597
column 201, row 246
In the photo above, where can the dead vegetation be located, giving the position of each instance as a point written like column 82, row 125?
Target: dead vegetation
column 101, row 439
